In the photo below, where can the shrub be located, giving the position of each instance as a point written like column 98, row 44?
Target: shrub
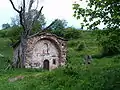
column 59, row 33
column 68, row 33
column 73, row 43
column 110, row 42
column 3, row 33
column 4, row 61
column 71, row 33
column 14, row 33
column 80, row 46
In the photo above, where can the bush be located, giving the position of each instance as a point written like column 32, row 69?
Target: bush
column 110, row 42
column 73, row 43
column 14, row 33
column 59, row 33
column 80, row 46
column 68, row 33
column 4, row 61
column 3, row 33
column 72, row 33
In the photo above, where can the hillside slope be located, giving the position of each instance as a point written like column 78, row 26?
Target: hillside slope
column 101, row 74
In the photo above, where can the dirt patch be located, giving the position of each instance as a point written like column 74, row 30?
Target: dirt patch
column 13, row 79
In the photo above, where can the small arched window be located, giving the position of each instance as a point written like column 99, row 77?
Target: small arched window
column 54, row 61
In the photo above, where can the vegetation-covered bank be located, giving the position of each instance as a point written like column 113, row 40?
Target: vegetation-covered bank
column 102, row 74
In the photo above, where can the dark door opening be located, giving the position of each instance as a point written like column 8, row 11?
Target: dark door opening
column 46, row 64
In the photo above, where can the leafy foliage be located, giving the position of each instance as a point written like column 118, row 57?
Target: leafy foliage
column 99, row 11
column 72, row 43
column 68, row 33
column 72, row 33
column 39, row 23
column 59, row 24
column 15, row 21
column 110, row 41
column 102, row 11
column 81, row 46
column 5, row 26
column 12, row 33
column 3, row 33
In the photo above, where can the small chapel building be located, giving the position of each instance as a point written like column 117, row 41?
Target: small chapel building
column 45, row 50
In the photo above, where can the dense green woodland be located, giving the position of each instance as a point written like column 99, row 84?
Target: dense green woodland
column 102, row 74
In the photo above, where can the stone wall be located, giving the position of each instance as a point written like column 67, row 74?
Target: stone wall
column 45, row 47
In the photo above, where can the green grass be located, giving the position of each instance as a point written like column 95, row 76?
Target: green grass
column 5, row 48
column 101, row 74
column 6, row 52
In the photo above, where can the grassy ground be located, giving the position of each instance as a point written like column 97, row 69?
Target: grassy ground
column 101, row 74
column 5, row 52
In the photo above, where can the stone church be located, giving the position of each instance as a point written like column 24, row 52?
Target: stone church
column 45, row 50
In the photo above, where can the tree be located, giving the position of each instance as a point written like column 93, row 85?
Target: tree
column 40, row 23
column 99, row 11
column 27, row 21
column 59, row 24
column 15, row 21
column 102, row 11
column 5, row 26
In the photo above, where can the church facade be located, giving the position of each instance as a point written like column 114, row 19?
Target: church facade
column 46, row 51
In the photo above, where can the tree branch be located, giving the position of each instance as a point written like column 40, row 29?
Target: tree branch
column 23, row 11
column 23, row 6
column 30, row 5
column 45, row 29
column 14, row 6
column 19, row 12
column 49, row 25
column 21, row 20
column 39, row 12
column 37, row 4
column 37, row 16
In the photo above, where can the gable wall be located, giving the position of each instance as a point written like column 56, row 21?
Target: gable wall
column 35, row 54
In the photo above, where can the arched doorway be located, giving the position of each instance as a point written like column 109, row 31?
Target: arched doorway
column 46, row 64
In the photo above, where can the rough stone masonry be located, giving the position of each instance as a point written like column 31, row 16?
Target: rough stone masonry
column 45, row 50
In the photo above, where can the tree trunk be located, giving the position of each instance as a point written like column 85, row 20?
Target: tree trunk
column 23, row 50
column 20, row 54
